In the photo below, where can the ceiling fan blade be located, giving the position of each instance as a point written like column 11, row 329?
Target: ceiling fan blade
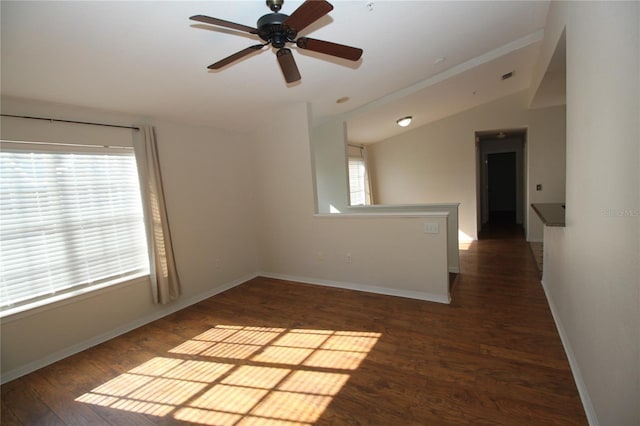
column 288, row 65
column 308, row 13
column 223, row 23
column 236, row 56
column 329, row 48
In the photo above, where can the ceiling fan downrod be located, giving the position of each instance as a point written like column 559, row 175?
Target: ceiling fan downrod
column 275, row 5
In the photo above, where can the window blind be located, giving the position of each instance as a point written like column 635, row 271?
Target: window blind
column 358, row 177
column 68, row 221
column 357, row 181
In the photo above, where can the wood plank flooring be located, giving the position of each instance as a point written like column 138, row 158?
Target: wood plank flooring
column 272, row 352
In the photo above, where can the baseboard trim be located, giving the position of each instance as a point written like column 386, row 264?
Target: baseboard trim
column 419, row 295
column 573, row 363
column 84, row 345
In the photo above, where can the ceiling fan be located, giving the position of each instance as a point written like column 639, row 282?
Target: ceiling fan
column 278, row 29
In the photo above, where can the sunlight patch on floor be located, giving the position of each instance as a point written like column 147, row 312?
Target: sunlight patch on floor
column 240, row 375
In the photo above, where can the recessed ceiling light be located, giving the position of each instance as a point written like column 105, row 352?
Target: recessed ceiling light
column 342, row 100
column 404, row 121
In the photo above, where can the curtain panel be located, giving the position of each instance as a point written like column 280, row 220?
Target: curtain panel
column 165, row 282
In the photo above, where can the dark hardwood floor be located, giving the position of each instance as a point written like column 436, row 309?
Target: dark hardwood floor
column 274, row 352
column 501, row 225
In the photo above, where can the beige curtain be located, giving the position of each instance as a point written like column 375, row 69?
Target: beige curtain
column 164, row 275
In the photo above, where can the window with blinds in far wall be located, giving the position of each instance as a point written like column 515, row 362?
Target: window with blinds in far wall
column 359, row 193
column 70, row 222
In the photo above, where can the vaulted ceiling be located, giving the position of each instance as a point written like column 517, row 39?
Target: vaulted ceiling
column 421, row 58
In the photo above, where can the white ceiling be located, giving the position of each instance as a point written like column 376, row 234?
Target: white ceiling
column 147, row 58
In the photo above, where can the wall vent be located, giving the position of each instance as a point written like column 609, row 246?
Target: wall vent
column 507, row 75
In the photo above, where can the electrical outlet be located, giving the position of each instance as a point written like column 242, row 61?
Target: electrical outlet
column 320, row 256
column 539, row 187
column 349, row 258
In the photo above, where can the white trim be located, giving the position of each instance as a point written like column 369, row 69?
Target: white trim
column 573, row 363
column 86, row 344
column 419, row 295
column 378, row 215
column 406, row 206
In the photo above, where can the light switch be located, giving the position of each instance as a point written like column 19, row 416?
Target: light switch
column 431, row 228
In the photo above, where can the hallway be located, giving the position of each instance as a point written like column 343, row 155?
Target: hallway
column 499, row 290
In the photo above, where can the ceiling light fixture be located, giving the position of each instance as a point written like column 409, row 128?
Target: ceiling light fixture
column 404, row 121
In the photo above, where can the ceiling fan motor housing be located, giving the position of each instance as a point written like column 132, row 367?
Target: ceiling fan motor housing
column 270, row 29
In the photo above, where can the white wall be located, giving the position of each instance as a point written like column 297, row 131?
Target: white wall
column 591, row 273
column 247, row 201
column 329, row 151
column 436, row 163
column 210, row 202
column 22, row 129
column 329, row 161
column 546, row 163
column 390, row 254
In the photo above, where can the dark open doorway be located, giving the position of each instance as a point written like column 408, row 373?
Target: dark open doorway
column 501, row 183
column 501, row 168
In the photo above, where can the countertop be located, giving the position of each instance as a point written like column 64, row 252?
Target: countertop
column 551, row 214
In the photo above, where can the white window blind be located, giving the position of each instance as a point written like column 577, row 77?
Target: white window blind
column 356, row 181
column 68, row 221
column 358, row 177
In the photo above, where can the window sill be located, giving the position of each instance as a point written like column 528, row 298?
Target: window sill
column 12, row 314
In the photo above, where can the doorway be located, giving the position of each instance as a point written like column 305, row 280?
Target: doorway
column 501, row 188
column 501, row 182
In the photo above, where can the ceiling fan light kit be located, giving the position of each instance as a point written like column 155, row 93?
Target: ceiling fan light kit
column 277, row 29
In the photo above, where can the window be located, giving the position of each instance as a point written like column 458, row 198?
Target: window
column 69, row 222
column 359, row 194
